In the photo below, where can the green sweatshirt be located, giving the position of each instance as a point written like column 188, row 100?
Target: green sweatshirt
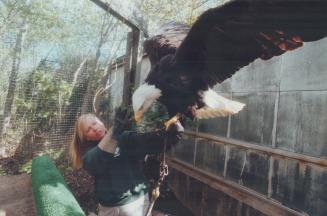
column 118, row 177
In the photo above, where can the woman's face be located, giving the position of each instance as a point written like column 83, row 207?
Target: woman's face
column 92, row 128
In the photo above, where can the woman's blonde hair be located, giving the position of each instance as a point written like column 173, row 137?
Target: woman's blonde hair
column 78, row 146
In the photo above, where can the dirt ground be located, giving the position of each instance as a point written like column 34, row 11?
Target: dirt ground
column 16, row 197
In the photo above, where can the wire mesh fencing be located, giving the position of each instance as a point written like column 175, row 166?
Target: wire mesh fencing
column 54, row 57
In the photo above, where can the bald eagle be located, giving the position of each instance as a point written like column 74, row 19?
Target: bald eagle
column 187, row 62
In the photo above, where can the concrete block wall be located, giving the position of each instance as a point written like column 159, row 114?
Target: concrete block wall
column 286, row 108
column 286, row 101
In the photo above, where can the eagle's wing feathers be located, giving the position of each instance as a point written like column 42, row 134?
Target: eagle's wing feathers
column 231, row 36
column 166, row 41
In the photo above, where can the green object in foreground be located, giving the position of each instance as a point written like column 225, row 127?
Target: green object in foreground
column 51, row 194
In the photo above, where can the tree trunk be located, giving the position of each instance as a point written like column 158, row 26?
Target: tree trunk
column 102, row 99
column 130, row 65
column 5, row 118
column 79, row 90
column 27, row 94
column 127, row 69
column 89, row 93
column 107, row 27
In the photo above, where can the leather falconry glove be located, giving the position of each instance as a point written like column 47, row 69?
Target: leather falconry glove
column 122, row 121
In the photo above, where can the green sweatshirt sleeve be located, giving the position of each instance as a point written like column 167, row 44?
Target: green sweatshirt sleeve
column 95, row 161
column 140, row 144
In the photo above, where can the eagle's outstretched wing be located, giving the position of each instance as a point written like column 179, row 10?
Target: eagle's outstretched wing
column 166, row 41
column 223, row 40
column 231, row 36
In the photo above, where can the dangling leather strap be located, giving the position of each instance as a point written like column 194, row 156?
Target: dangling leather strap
column 155, row 190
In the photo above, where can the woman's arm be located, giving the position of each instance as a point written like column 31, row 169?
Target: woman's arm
column 151, row 142
column 108, row 143
column 98, row 159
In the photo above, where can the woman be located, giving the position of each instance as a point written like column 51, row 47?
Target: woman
column 113, row 158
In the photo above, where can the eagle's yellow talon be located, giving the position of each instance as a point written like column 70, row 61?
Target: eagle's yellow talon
column 171, row 121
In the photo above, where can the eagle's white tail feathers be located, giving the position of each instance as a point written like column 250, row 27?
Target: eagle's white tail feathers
column 217, row 106
column 145, row 96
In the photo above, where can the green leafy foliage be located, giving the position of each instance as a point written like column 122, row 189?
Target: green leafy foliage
column 154, row 118
column 26, row 167
column 43, row 98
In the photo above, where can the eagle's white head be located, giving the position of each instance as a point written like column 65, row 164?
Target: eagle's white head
column 143, row 98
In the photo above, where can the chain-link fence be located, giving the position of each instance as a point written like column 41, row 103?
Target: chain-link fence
column 54, row 58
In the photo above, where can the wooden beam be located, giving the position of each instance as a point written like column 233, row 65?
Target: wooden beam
column 133, row 39
column 232, row 189
column 127, row 69
column 135, row 46
column 105, row 6
column 262, row 149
